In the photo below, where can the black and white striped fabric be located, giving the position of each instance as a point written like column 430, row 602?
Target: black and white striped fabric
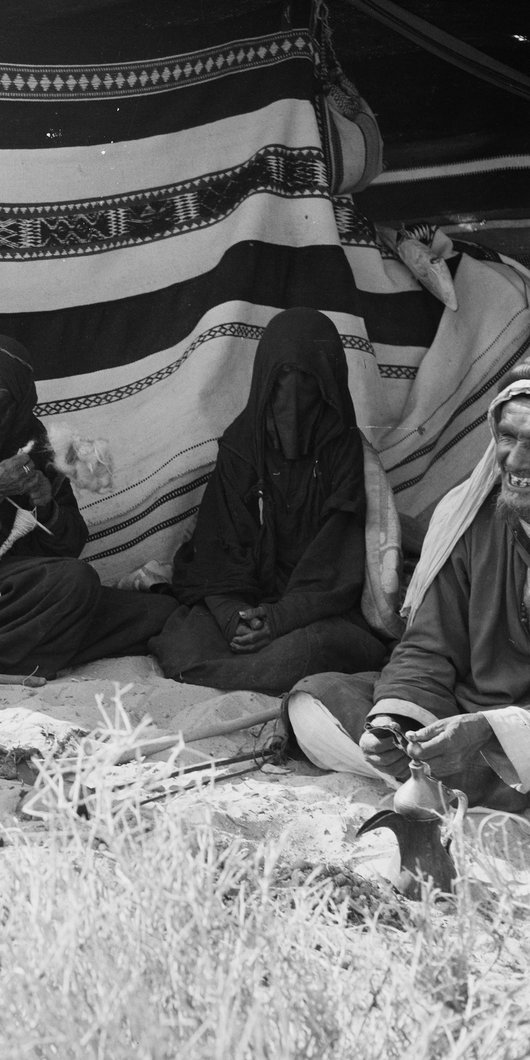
column 163, row 193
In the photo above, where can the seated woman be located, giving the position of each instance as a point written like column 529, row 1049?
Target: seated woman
column 270, row 584
column 54, row 612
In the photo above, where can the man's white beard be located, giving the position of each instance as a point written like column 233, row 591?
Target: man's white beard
column 511, row 513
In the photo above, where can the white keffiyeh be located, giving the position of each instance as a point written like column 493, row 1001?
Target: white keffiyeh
column 457, row 509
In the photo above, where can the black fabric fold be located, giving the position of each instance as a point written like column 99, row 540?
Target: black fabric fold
column 302, row 545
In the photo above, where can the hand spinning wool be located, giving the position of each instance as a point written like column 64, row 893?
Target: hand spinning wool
column 86, row 462
column 54, row 612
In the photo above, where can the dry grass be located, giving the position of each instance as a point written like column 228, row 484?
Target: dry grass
column 136, row 934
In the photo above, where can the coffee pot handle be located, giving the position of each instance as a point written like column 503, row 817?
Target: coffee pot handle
column 461, row 810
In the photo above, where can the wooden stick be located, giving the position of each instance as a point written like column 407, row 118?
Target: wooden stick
column 20, row 679
column 222, row 728
column 227, row 775
column 164, row 743
column 19, row 509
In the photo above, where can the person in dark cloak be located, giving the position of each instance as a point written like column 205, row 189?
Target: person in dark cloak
column 54, row 612
column 270, row 584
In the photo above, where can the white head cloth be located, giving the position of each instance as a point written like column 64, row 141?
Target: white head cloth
column 457, row 509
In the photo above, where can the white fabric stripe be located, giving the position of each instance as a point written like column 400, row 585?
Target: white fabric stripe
column 324, row 741
column 465, row 229
column 409, row 356
column 470, row 346
column 453, row 169
column 66, row 174
column 511, row 726
column 58, row 283
column 155, row 539
column 379, row 275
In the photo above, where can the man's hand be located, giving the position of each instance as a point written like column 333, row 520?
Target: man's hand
column 17, row 475
column 448, row 745
column 381, row 749
column 253, row 631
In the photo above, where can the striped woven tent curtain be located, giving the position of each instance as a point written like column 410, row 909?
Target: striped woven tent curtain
column 164, row 191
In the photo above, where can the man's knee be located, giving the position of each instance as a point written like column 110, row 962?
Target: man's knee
column 326, row 713
column 345, row 695
column 348, row 697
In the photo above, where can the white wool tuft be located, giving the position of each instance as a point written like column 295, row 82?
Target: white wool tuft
column 87, row 462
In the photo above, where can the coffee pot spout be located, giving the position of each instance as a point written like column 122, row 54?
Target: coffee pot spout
column 420, row 807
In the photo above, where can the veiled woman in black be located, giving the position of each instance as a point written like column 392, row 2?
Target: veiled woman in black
column 54, row 612
column 270, row 584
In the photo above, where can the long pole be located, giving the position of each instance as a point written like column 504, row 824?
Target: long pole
column 220, row 728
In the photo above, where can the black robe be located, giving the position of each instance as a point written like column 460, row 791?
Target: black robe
column 287, row 534
column 54, row 612
column 18, row 426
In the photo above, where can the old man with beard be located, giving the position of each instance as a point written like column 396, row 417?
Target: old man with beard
column 456, row 691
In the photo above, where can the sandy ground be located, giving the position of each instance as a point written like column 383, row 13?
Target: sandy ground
column 312, row 815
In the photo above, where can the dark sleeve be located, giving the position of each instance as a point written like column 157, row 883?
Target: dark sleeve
column 328, row 579
column 434, row 654
column 69, row 533
column 225, row 610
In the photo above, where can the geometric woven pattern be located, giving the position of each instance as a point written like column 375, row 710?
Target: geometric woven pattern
column 397, row 371
column 227, row 330
column 66, row 405
column 69, row 229
column 357, row 342
column 81, row 81
column 353, row 227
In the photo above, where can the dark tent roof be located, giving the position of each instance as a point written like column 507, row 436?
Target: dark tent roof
column 432, row 112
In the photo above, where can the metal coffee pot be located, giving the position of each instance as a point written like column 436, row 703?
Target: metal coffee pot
column 422, row 822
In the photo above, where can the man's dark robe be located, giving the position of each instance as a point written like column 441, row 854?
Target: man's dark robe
column 467, row 649
column 283, row 533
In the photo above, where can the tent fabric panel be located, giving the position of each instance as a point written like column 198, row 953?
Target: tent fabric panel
column 143, row 301
column 79, row 174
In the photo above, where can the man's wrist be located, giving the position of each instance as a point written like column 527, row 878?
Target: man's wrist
column 400, row 706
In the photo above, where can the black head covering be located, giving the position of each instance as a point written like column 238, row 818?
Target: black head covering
column 242, row 542
column 18, row 398
column 306, row 342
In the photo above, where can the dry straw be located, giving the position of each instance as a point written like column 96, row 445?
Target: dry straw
column 145, row 931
